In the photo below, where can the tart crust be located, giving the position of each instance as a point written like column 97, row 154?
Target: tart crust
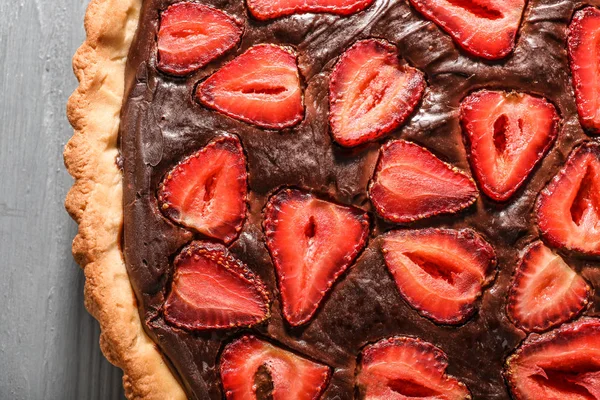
column 95, row 200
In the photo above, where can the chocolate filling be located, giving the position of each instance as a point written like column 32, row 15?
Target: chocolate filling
column 162, row 123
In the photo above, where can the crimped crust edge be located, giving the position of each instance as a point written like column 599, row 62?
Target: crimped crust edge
column 95, row 200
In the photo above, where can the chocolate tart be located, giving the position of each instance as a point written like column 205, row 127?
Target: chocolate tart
column 139, row 119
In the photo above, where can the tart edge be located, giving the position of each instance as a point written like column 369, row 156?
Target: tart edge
column 95, row 199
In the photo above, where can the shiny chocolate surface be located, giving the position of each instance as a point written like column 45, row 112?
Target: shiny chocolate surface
column 162, row 123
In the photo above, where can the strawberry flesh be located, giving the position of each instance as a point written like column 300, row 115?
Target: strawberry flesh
column 269, row 9
column 440, row 272
column 402, row 368
column 312, row 242
column 484, row 28
column 291, row 376
column 192, row 34
column 568, row 209
column 584, row 55
column 371, row 93
column 207, row 191
column 260, row 87
column 508, row 134
column 410, row 183
column 545, row 291
column 563, row 364
column 213, row 290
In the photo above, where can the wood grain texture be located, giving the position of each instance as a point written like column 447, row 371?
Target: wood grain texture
column 48, row 342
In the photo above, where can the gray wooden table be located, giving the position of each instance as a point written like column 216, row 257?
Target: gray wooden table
column 48, row 342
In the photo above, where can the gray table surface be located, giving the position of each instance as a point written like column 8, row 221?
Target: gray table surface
column 48, row 341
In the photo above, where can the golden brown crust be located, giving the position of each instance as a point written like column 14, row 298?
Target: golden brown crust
column 95, row 200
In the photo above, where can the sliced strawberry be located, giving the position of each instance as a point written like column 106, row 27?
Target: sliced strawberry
column 563, row 364
column 192, row 34
column 288, row 376
column 440, row 272
column 584, row 54
column 207, row 190
column 261, row 87
column 269, row 9
column 484, row 28
column 508, row 134
column 545, row 291
column 568, row 209
column 371, row 93
column 402, row 368
column 312, row 242
column 212, row 290
column 410, row 183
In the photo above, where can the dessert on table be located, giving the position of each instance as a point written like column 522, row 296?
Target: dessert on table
column 341, row 199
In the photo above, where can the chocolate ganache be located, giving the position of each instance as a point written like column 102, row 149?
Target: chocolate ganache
column 161, row 123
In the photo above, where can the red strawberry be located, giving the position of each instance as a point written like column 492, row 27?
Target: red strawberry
column 207, row 190
column 269, row 9
column 192, row 34
column 440, row 272
column 563, row 364
column 213, row 290
column 371, row 93
column 568, row 209
column 261, row 87
column 545, row 291
column 312, row 242
column 291, row 376
column 410, row 183
column 508, row 134
column 484, row 28
column 402, row 368
column 584, row 55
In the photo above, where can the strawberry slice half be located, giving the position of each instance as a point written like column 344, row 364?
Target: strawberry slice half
column 192, row 34
column 584, row 56
column 207, row 191
column 568, row 209
column 440, row 272
column 401, row 368
column 410, row 183
column 545, row 291
column 312, row 242
column 484, row 28
column 250, row 366
column 508, row 134
column 371, row 92
column 563, row 364
column 260, row 87
column 269, row 9
column 211, row 289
